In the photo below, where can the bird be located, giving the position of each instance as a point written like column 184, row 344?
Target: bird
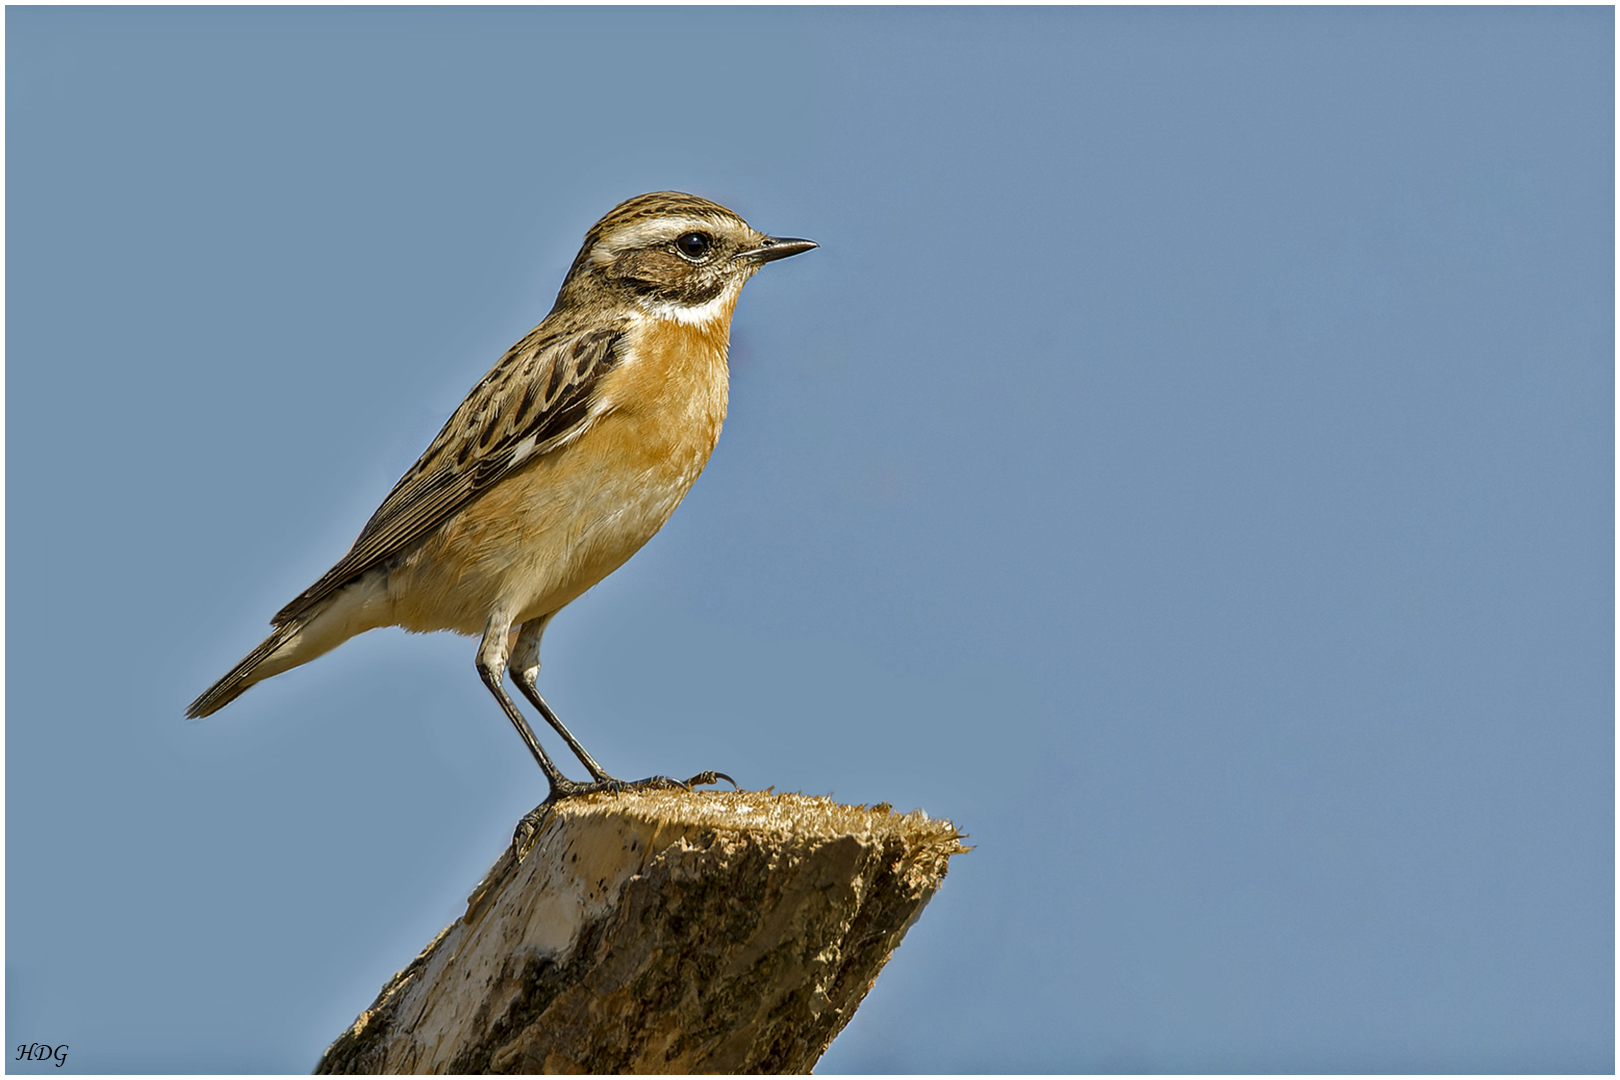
column 561, row 463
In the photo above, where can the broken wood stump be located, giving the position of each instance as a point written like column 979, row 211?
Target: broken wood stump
column 665, row 931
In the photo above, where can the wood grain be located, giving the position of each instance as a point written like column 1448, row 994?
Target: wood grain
column 668, row 932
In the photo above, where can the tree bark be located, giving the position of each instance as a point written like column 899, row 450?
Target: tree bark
column 664, row 931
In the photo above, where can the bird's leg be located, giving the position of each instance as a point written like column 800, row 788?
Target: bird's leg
column 525, row 668
column 491, row 663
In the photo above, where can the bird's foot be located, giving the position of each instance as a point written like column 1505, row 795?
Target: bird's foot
column 568, row 789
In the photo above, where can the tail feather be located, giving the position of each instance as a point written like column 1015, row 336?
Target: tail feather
column 240, row 677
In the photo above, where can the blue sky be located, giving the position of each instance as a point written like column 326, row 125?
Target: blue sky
column 1186, row 465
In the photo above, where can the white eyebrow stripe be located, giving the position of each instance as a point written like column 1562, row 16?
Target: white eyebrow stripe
column 643, row 233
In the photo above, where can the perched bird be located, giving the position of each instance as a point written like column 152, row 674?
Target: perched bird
column 563, row 461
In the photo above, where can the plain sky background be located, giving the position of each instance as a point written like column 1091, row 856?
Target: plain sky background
column 1186, row 465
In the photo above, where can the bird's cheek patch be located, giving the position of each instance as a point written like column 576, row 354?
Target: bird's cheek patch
column 659, row 270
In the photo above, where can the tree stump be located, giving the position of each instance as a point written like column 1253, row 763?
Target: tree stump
column 666, row 931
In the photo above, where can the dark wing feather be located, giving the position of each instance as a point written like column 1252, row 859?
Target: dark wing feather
column 541, row 389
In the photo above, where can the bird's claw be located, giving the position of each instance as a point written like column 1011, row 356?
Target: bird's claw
column 709, row 776
column 568, row 789
column 528, row 829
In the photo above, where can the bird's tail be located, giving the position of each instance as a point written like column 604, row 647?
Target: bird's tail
column 244, row 674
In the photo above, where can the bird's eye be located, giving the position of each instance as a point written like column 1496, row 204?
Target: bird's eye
column 694, row 245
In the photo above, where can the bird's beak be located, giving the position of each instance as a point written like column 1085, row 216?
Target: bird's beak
column 777, row 247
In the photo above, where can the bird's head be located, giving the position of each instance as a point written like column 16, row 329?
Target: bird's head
column 673, row 255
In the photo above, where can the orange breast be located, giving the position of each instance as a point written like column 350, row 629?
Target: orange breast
column 671, row 392
column 539, row 539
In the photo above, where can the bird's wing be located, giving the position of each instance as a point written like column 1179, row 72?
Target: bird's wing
column 536, row 399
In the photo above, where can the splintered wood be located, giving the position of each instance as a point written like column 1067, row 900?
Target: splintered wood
column 668, row 932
